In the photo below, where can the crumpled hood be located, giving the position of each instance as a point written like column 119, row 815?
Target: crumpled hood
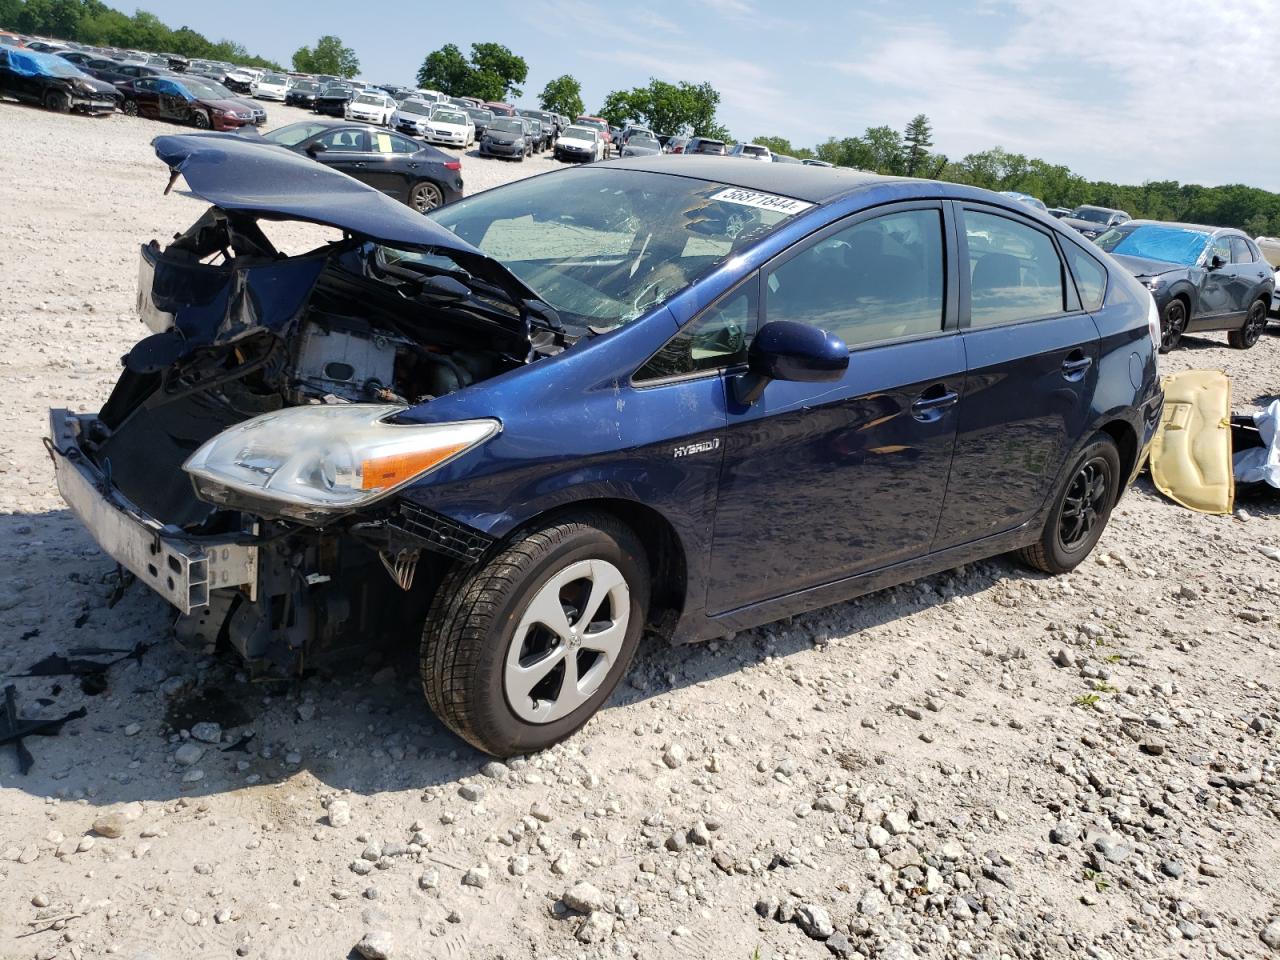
column 1145, row 267
column 245, row 174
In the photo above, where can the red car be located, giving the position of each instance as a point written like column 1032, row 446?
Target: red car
column 168, row 98
column 602, row 125
column 500, row 109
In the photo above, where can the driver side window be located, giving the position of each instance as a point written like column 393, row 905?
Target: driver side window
column 716, row 338
column 344, row 141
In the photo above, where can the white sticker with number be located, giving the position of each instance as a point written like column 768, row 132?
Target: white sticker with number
column 763, row 201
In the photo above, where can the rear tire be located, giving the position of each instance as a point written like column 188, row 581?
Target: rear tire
column 425, row 196
column 1081, row 510
column 1255, row 321
column 502, row 677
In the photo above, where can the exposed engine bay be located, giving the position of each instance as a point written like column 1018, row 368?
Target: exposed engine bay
column 240, row 330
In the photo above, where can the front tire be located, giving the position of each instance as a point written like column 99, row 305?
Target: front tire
column 129, row 108
column 59, row 101
column 1255, row 321
column 1081, row 511
column 1173, row 324
column 200, row 120
column 519, row 653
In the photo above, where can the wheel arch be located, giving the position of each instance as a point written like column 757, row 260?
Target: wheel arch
column 1126, row 440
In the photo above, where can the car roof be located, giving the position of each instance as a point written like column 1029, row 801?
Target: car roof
column 814, row 184
column 1197, row 227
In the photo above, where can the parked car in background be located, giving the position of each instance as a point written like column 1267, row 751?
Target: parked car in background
column 503, row 377
column 28, row 75
column 786, row 158
column 631, row 131
column 412, row 116
column 500, row 109
column 241, row 79
column 751, row 151
column 550, row 122
column 302, row 93
column 371, row 107
column 641, row 146
column 1033, row 202
column 47, row 46
column 179, row 100
column 1202, row 278
column 601, row 126
column 1092, row 221
column 1059, row 212
column 539, row 136
column 675, row 144
column 11, row 40
column 451, row 127
column 813, row 162
column 411, row 172
column 211, row 89
column 480, row 119
column 272, row 86
column 506, row 137
column 334, row 97
column 705, row 145
column 579, row 144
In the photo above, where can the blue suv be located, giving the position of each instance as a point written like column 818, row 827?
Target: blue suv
column 692, row 395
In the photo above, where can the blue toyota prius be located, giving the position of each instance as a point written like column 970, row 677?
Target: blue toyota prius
column 688, row 394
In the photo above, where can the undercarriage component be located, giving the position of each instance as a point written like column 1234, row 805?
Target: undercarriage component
column 402, row 565
column 441, row 534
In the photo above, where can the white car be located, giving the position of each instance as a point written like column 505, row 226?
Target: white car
column 271, row 86
column 412, row 117
column 581, row 144
column 451, row 127
column 372, row 108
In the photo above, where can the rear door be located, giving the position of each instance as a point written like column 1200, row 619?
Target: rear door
column 822, row 481
column 391, row 166
column 1032, row 365
column 1250, row 271
column 147, row 97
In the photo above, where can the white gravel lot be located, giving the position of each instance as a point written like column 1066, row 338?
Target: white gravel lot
column 988, row 763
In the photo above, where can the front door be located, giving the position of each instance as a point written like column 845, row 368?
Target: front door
column 823, row 481
column 346, row 150
column 1217, row 289
column 1032, row 356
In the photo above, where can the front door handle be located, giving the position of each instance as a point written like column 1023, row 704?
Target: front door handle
column 930, row 404
column 1074, row 369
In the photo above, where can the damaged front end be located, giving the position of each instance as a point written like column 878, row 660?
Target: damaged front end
column 248, row 464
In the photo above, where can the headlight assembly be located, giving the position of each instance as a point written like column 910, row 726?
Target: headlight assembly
column 316, row 461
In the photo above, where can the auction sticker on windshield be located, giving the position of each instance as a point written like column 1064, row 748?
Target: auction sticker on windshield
column 765, row 201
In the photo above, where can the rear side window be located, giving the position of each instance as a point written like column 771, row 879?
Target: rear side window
column 878, row 280
column 716, row 338
column 1014, row 271
column 1240, row 252
column 1091, row 276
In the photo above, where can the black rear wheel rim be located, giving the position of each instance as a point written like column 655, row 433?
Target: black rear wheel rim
column 1085, row 503
column 1254, row 322
column 1175, row 321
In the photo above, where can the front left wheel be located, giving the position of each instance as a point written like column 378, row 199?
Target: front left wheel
column 519, row 652
column 58, row 101
column 1255, row 321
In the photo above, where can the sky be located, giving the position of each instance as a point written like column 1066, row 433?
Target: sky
column 1126, row 91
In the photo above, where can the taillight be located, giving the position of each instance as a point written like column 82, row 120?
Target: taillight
column 1153, row 322
column 453, row 165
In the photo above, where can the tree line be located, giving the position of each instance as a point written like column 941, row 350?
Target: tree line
column 95, row 23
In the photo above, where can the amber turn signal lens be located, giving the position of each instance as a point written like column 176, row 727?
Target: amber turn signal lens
column 379, row 472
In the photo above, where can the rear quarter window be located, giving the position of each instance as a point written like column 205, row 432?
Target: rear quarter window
column 1089, row 274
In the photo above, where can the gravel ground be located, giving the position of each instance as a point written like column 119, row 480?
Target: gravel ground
column 988, row 763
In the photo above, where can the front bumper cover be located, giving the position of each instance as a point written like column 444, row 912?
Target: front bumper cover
column 180, row 569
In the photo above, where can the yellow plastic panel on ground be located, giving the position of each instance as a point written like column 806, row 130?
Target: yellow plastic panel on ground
column 1191, row 452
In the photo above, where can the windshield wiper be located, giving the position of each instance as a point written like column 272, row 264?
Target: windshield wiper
column 453, row 285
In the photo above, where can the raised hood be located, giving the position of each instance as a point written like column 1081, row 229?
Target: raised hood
column 258, row 177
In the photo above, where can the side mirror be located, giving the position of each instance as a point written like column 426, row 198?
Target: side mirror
column 1216, row 261
column 797, row 352
column 316, row 148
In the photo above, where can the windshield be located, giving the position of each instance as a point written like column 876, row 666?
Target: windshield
column 643, row 143
column 484, row 116
column 207, row 88
column 274, row 78
column 306, row 86
column 1170, row 244
column 370, row 99
column 1092, row 214
column 449, row 116
column 294, row 133
column 604, row 246
column 415, row 106
column 753, row 151
column 507, row 126
column 336, row 88
column 578, row 133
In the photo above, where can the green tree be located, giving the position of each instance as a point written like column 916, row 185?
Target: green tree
column 562, row 95
column 784, row 146
column 328, row 56
column 497, row 71
column 673, row 108
column 446, row 70
column 918, row 138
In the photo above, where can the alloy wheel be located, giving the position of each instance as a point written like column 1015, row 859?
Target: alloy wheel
column 1175, row 324
column 1254, row 323
column 130, row 108
column 425, row 196
column 567, row 641
column 1085, row 503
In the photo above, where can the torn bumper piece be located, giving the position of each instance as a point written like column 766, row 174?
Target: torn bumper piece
column 180, row 569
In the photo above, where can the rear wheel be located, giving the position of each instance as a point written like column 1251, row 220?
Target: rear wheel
column 425, row 196
column 1173, row 323
column 1081, row 511
column 1255, row 321
column 519, row 653
column 58, row 100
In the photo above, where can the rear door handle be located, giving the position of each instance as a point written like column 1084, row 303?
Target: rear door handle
column 929, row 407
column 1074, row 370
